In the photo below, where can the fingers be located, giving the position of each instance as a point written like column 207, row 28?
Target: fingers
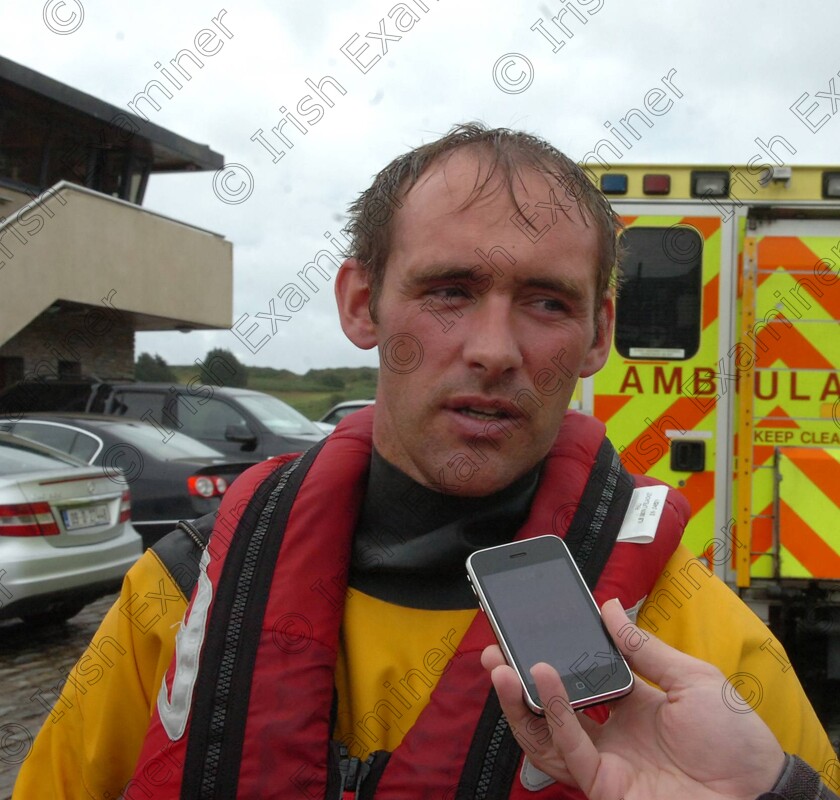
column 556, row 742
column 532, row 732
column 492, row 657
column 567, row 735
column 651, row 658
column 509, row 689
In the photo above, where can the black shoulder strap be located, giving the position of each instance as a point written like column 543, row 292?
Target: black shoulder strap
column 217, row 727
column 600, row 512
column 180, row 550
column 493, row 757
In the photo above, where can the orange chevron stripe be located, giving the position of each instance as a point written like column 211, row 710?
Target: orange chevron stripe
column 830, row 299
column 777, row 411
column 790, row 252
column 820, row 468
column 791, row 347
column 762, row 453
column 805, row 544
column 699, row 489
column 707, row 226
column 682, row 413
column 710, row 302
column 785, row 251
column 606, row 405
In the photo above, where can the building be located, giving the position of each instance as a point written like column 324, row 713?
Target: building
column 83, row 266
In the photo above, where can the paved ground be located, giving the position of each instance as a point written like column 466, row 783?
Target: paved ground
column 33, row 662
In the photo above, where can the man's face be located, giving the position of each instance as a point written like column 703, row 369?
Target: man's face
column 478, row 361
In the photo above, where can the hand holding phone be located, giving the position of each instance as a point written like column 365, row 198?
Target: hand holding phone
column 663, row 741
column 541, row 610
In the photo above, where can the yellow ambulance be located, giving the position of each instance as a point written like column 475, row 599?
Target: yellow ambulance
column 724, row 376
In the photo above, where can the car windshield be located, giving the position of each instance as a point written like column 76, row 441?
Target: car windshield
column 60, row 436
column 16, row 458
column 151, row 441
column 277, row 416
column 341, row 413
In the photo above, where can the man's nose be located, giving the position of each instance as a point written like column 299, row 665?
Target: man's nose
column 491, row 345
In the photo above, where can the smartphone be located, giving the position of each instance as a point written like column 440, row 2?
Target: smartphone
column 541, row 609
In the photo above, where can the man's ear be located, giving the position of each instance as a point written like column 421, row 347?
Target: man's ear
column 352, row 293
column 600, row 350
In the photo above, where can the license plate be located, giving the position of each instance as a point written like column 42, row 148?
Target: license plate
column 89, row 517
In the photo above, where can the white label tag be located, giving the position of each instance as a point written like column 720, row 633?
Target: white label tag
column 533, row 779
column 633, row 611
column 643, row 515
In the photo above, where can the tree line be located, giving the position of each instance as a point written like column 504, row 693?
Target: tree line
column 150, row 367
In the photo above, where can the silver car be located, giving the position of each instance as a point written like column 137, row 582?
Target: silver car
column 65, row 532
column 339, row 411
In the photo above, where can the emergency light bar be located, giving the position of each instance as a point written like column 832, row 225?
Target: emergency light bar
column 656, row 184
column 768, row 183
column 709, row 184
column 614, row 184
column 831, row 184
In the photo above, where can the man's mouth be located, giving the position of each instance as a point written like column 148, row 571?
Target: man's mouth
column 483, row 413
column 484, row 409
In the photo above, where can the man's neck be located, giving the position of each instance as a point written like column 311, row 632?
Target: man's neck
column 411, row 542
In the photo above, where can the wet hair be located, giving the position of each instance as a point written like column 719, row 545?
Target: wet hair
column 371, row 215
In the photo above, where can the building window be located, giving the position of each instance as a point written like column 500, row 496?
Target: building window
column 69, row 370
column 658, row 308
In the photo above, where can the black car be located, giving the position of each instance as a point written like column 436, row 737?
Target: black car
column 171, row 478
column 244, row 424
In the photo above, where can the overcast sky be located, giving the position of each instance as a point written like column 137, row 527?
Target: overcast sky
column 739, row 67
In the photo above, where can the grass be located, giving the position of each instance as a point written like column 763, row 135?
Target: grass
column 312, row 394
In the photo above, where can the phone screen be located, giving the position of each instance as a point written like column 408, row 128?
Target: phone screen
column 544, row 613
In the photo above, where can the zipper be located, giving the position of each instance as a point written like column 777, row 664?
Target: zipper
column 193, row 532
column 352, row 772
column 485, row 777
column 235, row 621
column 586, row 546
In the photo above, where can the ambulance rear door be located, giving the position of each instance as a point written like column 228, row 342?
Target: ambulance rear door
column 663, row 393
column 788, row 414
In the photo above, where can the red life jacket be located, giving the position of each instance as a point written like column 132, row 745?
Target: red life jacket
column 260, row 723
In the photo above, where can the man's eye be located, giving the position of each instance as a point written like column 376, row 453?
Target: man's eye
column 449, row 292
column 549, row 304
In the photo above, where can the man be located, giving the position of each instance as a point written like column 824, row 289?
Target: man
column 332, row 647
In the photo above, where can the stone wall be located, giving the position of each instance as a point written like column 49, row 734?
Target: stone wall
column 100, row 340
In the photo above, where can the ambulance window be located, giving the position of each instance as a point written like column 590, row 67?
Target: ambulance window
column 658, row 308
